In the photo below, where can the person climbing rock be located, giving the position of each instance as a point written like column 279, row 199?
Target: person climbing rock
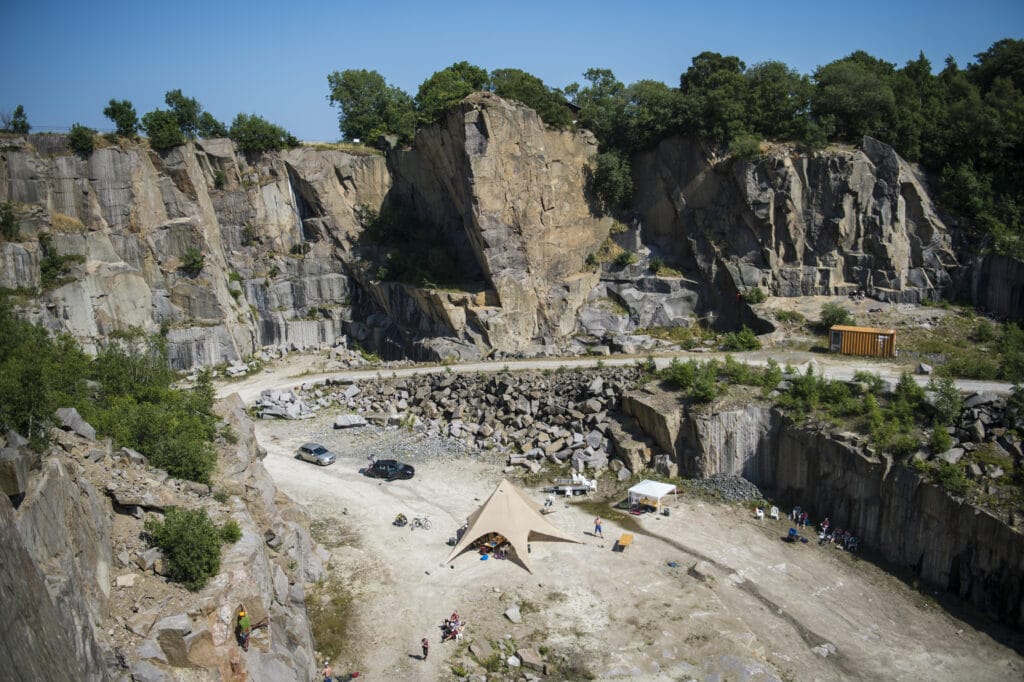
column 244, row 628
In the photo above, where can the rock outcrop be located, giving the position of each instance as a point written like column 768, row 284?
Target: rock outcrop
column 899, row 515
column 88, row 598
column 286, row 262
column 793, row 224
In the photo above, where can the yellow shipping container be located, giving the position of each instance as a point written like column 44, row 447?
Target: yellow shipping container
column 880, row 343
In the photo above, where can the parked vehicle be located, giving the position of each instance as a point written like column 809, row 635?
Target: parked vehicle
column 389, row 470
column 317, row 454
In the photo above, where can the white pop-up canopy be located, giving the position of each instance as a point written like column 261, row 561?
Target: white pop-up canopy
column 650, row 493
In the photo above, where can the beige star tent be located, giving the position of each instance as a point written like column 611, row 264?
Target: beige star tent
column 511, row 514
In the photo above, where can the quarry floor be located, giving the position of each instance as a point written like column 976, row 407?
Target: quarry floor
column 753, row 610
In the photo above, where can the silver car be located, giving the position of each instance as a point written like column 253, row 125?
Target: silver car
column 317, row 454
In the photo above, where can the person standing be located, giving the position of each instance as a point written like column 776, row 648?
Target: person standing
column 597, row 528
column 426, row 647
column 328, row 673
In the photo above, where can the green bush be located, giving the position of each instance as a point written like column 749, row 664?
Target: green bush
column 190, row 542
column 230, row 532
column 255, row 134
column 192, row 261
column 9, row 227
column 610, row 180
column 940, row 440
column 951, row 477
column 948, row 401
column 874, row 382
column 745, row 339
column 625, row 258
column 789, row 316
column 747, row 147
column 54, row 268
column 162, row 128
column 833, row 314
column 82, row 139
column 772, row 375
column 755, row 295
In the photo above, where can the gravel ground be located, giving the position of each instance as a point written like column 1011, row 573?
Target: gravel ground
column 728, row 488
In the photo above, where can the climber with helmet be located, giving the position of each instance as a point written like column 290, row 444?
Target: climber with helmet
column 244, row 628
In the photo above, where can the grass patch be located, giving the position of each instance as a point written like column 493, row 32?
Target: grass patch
column 331, row 607
column 65, row 223
column 349, row 147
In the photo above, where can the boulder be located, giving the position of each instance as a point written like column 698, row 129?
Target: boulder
column 531, row 659
column 347, row 421
column 14, row 468
column 514, row 615
column 481, row 649
column 952, row 456
column 70, row 420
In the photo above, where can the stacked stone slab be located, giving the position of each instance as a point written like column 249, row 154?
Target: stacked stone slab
column 561, row 416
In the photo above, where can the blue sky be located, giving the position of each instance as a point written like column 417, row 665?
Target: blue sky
column 64, row 60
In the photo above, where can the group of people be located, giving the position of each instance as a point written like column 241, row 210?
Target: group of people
column 843, row 539
column 452, row 627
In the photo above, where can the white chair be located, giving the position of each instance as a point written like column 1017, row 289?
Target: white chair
column 774, row 513
column 759, row 514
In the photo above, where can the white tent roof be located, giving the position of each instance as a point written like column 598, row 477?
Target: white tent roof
column 651, row 489
column 508, row 512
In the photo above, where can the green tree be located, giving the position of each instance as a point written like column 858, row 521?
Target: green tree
column 209, row 127
column 253, row 133
column 948, row 402
column 122, row 113
column 611, row 180
column 162, row 128
column 186, row 112
column 833, row 314
column 524, row 87
column 854, row 94
column 444, row 89
column 601, row 104
column 9, row 226
column 38, row 374
column 369, row 107
column 650, row 112
column 191, row 544
column 1003, row 59
column 778, row 100
column 19, row 121
column 81, row 139
column 715, row 97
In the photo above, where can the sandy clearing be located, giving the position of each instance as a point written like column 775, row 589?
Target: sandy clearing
column 618, row 615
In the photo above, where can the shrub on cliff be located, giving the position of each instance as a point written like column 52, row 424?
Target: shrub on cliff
column 253, row 133
column 524, row 87
column 610, row 180
column 369, row 107
column 446, row 88
column 191, row 544
column 122, row 113
column 162, row 129
column 81, row 139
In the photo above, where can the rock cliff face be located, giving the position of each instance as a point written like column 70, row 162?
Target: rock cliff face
column 793, row 224
column 284, row 264
column 947, row 542
column 78, row 582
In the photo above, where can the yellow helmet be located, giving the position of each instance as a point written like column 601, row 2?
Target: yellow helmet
column 242, row 612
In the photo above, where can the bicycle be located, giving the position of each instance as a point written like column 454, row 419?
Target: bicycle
column 420, row 522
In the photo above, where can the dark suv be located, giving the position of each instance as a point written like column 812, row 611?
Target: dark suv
column 389, row 469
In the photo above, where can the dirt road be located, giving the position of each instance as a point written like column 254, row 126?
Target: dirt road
column 755, row 609
column 297, row 369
